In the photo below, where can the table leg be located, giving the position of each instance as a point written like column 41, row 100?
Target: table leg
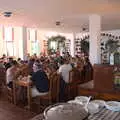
column 14, row 93
column 29, row 97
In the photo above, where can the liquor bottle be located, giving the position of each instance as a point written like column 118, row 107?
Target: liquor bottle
column 117, row 77
column 112, row 59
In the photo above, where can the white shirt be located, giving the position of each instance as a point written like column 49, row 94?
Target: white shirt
column 9, row 75
column 64, row 70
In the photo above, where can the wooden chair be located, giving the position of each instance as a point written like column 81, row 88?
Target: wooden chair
column 3, row 86
column 74, row 80
column 88, row 73
column 54, row 86
column 2, row 78
column 53, row 94
column 10, row 95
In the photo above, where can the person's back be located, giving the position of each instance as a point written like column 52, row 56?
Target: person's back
column 10, row 73
column 64, row 71
column 40, row 80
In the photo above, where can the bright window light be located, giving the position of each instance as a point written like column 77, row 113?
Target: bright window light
column 53, row 45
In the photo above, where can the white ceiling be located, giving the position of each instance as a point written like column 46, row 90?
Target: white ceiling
column 73, row 14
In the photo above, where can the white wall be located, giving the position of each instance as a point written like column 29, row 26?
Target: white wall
column 113, row 32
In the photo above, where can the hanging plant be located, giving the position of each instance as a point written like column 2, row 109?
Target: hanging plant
column 112, row 46
column 85, row 46
column 59, row 42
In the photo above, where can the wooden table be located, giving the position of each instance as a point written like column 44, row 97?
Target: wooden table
column 103, row 114
column 24, row 84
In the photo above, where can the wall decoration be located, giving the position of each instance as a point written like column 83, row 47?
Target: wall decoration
column 56, row 43
column 82, row 45
column 109, row 44
column 67, row 45
column 85, row 46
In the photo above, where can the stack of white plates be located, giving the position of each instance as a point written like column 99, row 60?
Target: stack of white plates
column 101, row 103
column 93, row 108
column 74, row 102
column 82, row 99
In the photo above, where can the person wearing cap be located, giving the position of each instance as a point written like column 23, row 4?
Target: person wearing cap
column 40, row 80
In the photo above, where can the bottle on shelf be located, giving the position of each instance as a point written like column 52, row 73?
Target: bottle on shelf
column 117, row 77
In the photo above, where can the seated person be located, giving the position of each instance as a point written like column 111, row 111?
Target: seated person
column 64, row 71
column 40, row 81
column 9, row 63
column 64, row 78
column 11, row 72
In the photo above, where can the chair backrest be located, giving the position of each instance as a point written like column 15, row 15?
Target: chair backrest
column 88, row 74
column 54, row 85
column 74, row 76
column 2, row 76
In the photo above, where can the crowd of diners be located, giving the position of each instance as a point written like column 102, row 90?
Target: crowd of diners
column 40, row 68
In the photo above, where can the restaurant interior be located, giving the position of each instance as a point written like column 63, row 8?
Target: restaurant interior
column 60, row 60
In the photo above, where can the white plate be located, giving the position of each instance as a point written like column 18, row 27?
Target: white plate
column 101, row 103
column 93, row 108
column 113, row 105
column 74, row 101
column 82, row 99
column 65, row 111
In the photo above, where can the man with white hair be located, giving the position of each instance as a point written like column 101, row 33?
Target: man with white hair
column 40, row 81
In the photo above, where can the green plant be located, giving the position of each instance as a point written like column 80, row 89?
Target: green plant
column 85, row 46
column 117, row 58
column 112, row 46
column 59, row 41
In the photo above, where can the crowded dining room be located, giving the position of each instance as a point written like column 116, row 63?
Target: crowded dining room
column 60, row 60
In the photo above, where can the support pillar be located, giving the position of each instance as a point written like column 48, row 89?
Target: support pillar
column 95, row 34
column 24, row 37
column 72, row 45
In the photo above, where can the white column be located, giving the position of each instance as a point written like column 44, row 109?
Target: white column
column 24, row 30
column 17, row 39
column 28, row 41
column 95, row 30
column 1, row 41
column 72, row 45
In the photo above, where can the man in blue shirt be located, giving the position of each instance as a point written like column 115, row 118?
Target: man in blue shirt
column 40, row 81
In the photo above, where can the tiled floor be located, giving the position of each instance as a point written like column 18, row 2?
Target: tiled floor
column 11, row 112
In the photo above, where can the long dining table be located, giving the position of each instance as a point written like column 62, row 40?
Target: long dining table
column 26, row 84
column 103, row 114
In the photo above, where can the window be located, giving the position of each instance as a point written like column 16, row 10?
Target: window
column 10, row 50
column 8, row 34
column 8, row 41
column 33, row 41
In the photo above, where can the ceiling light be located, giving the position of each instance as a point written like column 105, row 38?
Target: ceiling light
column 57, row 23
column 84, row 29
column 7, row 14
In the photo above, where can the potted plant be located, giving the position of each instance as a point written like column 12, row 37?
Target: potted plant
column 85, row 46
column 59, row 42
column 112, row 47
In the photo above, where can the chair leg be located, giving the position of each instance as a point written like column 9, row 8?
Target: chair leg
column 50, row 101
column 57, row 99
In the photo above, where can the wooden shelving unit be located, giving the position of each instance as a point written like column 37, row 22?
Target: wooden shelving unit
column 104, row 84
